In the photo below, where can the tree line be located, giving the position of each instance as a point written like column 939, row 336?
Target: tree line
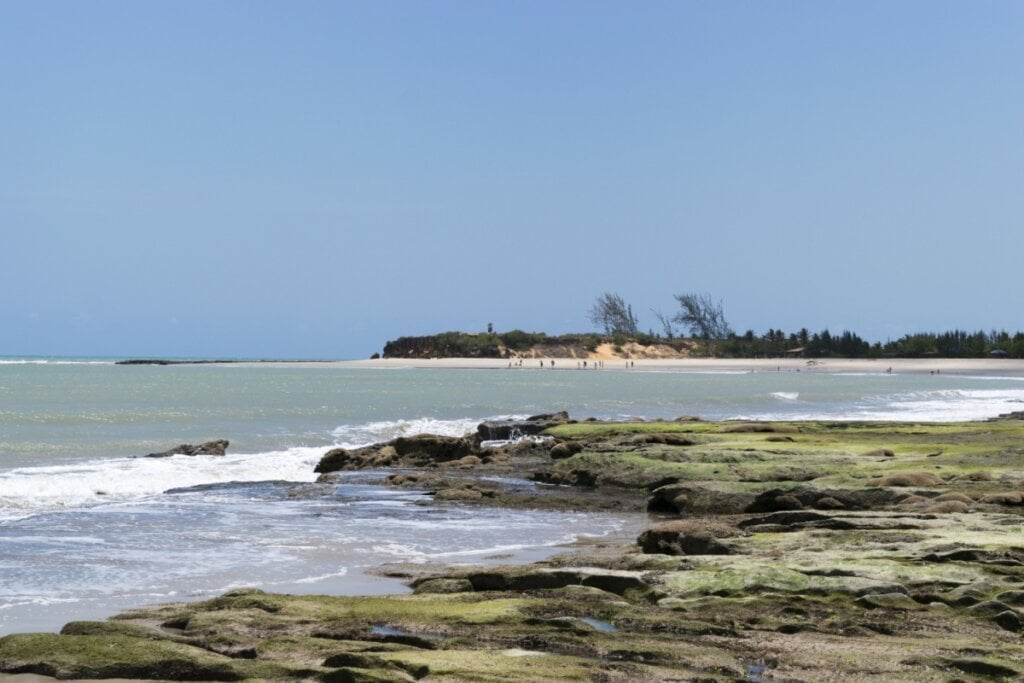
column 703, row 318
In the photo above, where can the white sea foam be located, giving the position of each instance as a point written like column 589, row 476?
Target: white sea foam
column 324, row 577
column 28, row 490
column 786, row 395
column 939, row 405
column 355, row 436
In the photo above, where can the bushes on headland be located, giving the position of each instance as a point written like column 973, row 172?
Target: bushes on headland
column 952, row 344
column 484, row 344
column 772, row 344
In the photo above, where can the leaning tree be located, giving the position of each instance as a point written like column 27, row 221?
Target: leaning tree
column 613, row 315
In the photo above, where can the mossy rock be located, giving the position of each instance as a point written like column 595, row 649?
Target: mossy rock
column 908, row 479
column 112, row 656
column 443, row 585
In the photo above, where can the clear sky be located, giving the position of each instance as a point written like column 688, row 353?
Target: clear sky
column 311, row 179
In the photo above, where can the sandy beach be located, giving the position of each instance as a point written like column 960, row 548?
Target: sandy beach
column 991, row 367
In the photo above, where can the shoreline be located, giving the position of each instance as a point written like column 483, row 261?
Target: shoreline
column 987, row 367
column 832, row 552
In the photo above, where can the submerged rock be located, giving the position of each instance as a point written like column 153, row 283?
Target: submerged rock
column 218, row 447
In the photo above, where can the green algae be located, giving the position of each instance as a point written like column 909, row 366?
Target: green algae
column 112, row 656
column 880, row 595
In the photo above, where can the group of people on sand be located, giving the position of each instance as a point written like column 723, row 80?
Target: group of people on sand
column 580, row 365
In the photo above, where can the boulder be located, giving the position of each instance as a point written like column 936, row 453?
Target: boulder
column 458, row 494
column 828, row 503
column 1005, row 498
column 429, row 448
column 1009, row 620
column 679, row 497
column 687, row 538
column 218, row 447
column 773, row 500
column 788, row 502
column 989, row 608
column 565, row 449
column 408, row 451
column 908, row 479
column 947, row 507
column 333, row 460
column 954, row 495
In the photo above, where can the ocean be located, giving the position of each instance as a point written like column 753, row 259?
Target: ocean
column 88, row 528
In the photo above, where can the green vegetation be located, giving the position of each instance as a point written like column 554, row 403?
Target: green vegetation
column 710, row 333
column 493, row 345
column 774, row 343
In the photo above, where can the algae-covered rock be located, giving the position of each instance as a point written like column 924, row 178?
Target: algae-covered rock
column 758, row 427
column 217, row 447
column 898, row 601
column 112, row 656
column 827, row 566
column 689, row 537
column 565, row 449
column 1009, row 620
column 947, row 507
column 908, row 479
column 444, row 585
column 1004, row 498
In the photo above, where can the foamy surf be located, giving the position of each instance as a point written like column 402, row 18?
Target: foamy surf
column 939, row 405
column 29, row 490
column 359, row 435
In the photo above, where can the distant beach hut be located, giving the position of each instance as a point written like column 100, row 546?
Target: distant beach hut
column 797, row 352
column 998, row 353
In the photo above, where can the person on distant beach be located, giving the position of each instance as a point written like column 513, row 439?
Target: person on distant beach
column 552, row 363
column 584, row 365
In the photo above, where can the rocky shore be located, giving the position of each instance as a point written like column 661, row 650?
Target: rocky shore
column 805, row 551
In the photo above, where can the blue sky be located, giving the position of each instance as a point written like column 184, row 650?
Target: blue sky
column 311, row 179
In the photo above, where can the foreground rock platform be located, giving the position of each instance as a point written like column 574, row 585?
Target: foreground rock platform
column 824, row 551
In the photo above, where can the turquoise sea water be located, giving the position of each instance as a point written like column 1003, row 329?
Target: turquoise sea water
column 87, row 528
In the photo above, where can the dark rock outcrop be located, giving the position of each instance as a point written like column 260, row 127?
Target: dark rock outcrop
column 681, row 497
column 218, row 447
column 421, row 450
column 506, row 430
column 689, row 537
column 565, row 449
